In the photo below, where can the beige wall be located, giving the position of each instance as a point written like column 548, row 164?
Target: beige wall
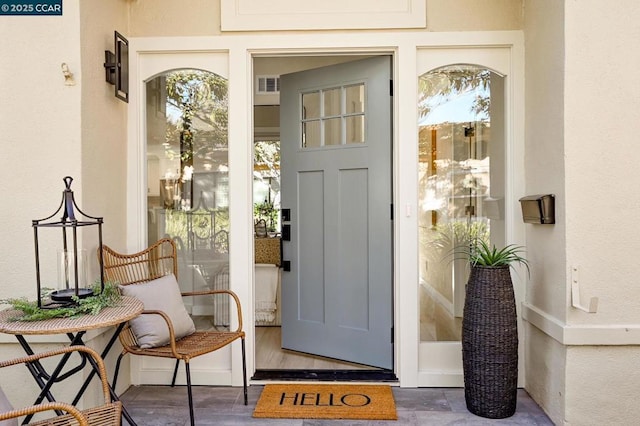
column 202, row 17
column 41, row 137
column 544, row 153
column 602, row 99
column 601, row 133
column 103, row 123
column 174, row 18
column 545, row 372
column 51, row 130
column 474, row 15
column 602, row 385
column 581, row 105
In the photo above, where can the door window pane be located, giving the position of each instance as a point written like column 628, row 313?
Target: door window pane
column 461, row 180
column 311, row 134
column 332, row 104
column 340, row 120
column 311, row 105
column 355, row 129
column 354, row 99
column 188, row 181
column 333, row 131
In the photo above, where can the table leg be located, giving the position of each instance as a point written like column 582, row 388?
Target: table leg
column 104, row 353
column 95, row 369
column 44, row 380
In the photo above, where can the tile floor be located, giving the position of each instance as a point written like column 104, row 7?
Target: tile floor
column 166, row 406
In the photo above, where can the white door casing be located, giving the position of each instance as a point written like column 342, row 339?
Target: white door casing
column 414, row 365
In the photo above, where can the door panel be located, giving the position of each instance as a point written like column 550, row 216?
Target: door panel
column 311, row 258
column 336, row 179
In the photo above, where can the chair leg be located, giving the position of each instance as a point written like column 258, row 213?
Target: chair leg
column 115, row 375
column 175, row 373
column 186, row 365
column 244, row 371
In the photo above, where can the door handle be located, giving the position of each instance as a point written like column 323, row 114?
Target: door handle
column 286, row 215
column 286, row 232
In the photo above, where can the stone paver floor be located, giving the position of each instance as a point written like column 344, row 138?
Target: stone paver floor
column 167, row 406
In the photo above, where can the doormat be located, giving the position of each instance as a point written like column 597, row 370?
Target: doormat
column 326, row 401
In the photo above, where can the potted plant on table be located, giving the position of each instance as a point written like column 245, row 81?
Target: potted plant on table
column 489, row 330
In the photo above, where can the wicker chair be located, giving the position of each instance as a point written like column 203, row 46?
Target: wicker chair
column 156, row 261
column 108, row 414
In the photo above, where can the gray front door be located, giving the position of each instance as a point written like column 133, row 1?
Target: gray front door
column 336, row 184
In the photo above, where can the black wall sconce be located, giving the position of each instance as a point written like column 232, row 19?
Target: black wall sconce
column 117, row 66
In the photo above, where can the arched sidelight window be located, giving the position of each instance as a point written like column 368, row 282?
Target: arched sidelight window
column 461, row 185
column 187, row 177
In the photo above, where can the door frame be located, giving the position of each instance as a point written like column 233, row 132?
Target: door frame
column 402, row 46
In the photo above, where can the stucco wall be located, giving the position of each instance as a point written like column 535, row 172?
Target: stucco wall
column 41, row 137
column 103, row 123
column 474, row 15
column 175, row 18
column 602, row 98
column 581, row 105
column 202, row 17
column 51, row 130
column 602, row 385
column 544, row 153
column 545, row 372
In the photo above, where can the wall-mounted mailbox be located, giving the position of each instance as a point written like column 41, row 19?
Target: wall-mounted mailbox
column 538, row 209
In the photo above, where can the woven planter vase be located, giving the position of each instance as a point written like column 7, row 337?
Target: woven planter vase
column 490, row 343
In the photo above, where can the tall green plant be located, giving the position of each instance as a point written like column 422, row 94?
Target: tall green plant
column 481, row 253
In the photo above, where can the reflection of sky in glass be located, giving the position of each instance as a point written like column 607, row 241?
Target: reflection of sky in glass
column 456, row 108
column 174, row 115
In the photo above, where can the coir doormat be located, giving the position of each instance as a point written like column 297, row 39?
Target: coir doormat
column 326, row 401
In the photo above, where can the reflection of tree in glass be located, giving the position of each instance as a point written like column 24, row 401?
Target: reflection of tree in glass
column 197, row 115
column 451, row 81
column 459, row 171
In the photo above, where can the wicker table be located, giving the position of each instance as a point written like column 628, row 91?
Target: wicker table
column 75, row 329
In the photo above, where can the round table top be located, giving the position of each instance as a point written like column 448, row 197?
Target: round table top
column 128, row 308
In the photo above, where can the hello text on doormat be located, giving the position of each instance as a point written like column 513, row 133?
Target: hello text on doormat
column 326, row 401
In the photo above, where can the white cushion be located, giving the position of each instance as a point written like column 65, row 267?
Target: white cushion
column 162, row 294
column 5, row 406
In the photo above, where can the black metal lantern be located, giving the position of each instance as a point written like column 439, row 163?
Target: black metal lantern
column 68, row 223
